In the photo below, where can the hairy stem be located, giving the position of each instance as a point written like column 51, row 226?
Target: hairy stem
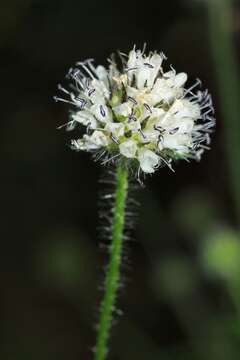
column 113, row 269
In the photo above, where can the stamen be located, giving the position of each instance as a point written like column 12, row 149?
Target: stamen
column 86, row 69
column 62, row 89
column 197, row 83
column 123, row 60
column 164, row 57
column 130, row 69
column 66, row 124
column 173, row 131
column 149, row 65
column 110, row 159
column 74, row 144
column 144, row 48
column 147, row 107
column 80, row 101
column 132, row 100
column 114, row 139
column 173, row 70
column 159, row 128
column 75, row 74
column 160, row 138
column 131, row 117
column 89, row 62
column 56, row 98
column 99, row 155
column 205, row 147
column 102, row 111
column 91, row 92
column 167, row 163
column 207, row 106
column 207, row 99
column 207, row 112
column 143, row 135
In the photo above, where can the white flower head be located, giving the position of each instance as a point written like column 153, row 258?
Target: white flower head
column 138, row 113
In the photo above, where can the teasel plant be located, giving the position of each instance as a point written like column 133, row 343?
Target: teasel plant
column 135, row 118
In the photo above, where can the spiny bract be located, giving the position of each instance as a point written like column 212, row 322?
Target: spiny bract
column 137, row 113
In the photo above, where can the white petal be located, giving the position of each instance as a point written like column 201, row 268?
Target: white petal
column 178, row 142
column 132, row 58
column 185, row 125
column 79, row 144
column 180, row 79
column 150, row 133
column 184, row 108
column 161, row 92
column 128, row 148
column 157, row 113
column 191, row 110
column 155, row 61
column 97, row 92
column 124, row 109
column 99, row 139
column 101, row 112
column 116, row 129
column 86, row 118
column 102, row 74
column 173, row 125
column 87, row 143
column 131, row 91
column 146, row 68
column 142, row 76
column 169, row 74
column 148, row 160
column 133, row 126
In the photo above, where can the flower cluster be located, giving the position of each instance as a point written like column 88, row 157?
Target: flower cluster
column 138, row 113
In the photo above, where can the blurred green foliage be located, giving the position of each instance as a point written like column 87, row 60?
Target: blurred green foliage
column 225, row 63
column 222, row 254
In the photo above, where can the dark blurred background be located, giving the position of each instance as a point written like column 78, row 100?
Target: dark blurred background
column 181, row 294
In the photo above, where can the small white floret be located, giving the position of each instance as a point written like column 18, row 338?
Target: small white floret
column 128, row 148
column 148, row 160
column 99, row 139
column 115, row 129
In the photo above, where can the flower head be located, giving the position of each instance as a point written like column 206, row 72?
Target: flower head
column 138, row 113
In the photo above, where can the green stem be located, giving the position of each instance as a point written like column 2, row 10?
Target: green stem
column 113, row 269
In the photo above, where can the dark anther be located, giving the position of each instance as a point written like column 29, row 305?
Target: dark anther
column 102, row 111
column 173, row 131
column 132, row 100
column 114, row 139
column 149, row 65
column 91, row 92
column 148, row 108
column 132, row 118
column 159, row 128
column 160, row 138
